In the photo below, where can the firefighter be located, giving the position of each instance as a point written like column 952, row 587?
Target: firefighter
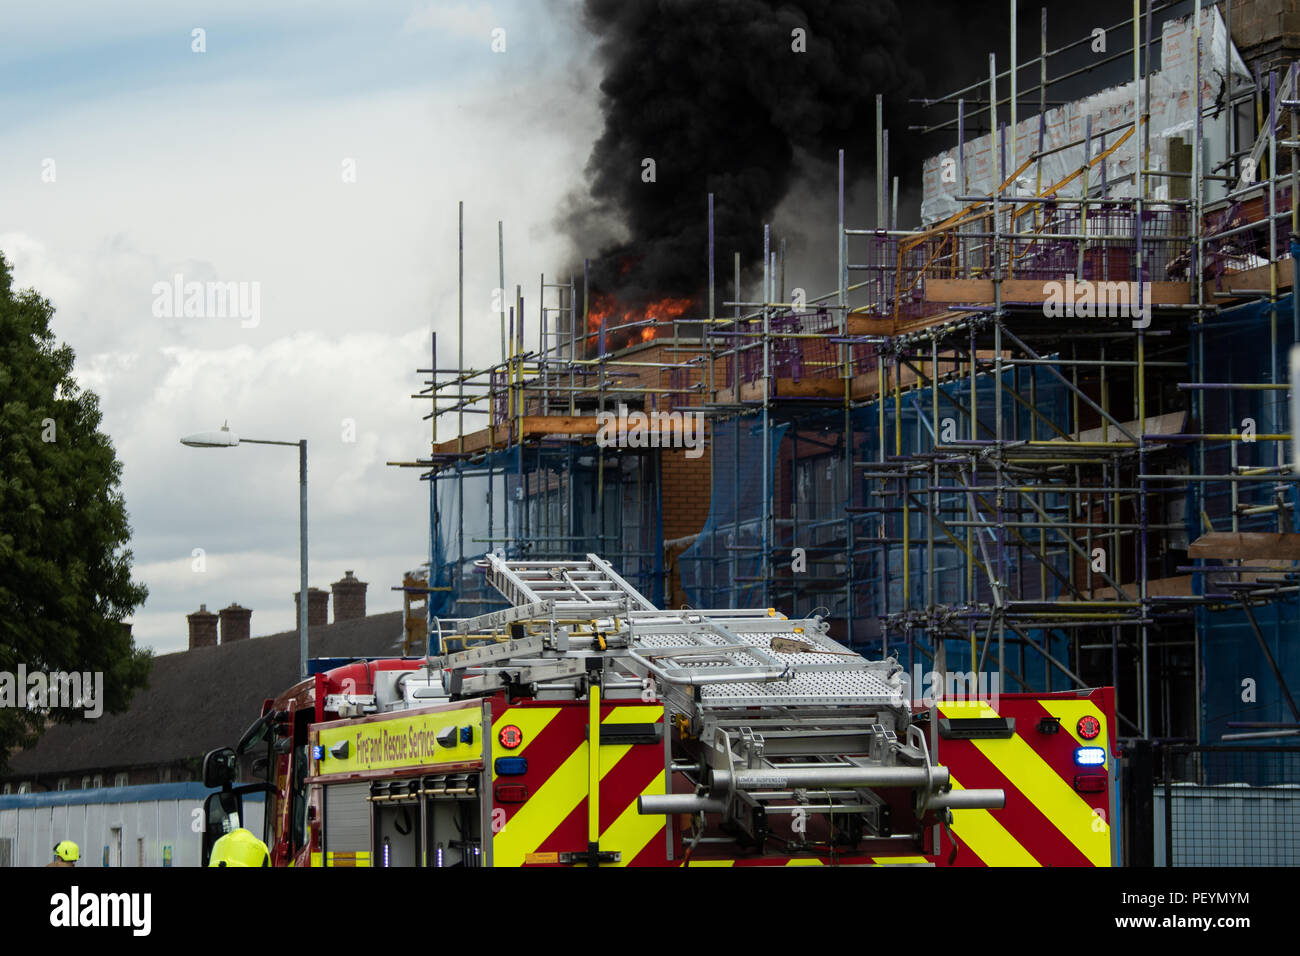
column 66, row 853
column 239, row 848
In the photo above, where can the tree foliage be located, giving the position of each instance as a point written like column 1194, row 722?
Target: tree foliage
column 65, row 570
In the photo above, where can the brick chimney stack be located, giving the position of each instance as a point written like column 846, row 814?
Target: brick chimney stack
column 318, row 607
column 349, row 598
column 203, row 628
column 235, row 623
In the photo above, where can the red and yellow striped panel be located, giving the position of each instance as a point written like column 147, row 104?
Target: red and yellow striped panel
column 1046, row 820
column 553, row 818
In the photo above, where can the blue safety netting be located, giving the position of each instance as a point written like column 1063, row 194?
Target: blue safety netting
column 827, row 521
column 724, row 567
column 932, row 568
column 549, row 503
column 1249, row 344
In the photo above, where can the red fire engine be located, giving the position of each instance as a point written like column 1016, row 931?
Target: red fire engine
column 584, row 726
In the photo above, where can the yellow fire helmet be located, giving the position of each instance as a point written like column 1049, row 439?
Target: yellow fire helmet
column 67, row 852
column 239, row 848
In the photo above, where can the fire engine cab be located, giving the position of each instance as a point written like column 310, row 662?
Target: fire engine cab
column 584, row 726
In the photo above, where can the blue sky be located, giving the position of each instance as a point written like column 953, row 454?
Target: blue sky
column 227, row 166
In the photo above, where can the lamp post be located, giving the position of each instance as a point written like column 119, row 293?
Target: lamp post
column 225, row 438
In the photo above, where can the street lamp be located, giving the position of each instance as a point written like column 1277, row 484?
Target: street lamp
column 225, row 438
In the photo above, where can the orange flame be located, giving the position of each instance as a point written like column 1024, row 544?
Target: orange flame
column 615, row 316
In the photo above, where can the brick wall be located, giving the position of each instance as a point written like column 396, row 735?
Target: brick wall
column 1267, row 31
column 235, row 623
column 349, row 598
column 318, row 607
column 685, row 493
column 203, row 627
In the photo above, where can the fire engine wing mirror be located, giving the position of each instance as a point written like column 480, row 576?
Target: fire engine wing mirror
column 219, row 768
column 255, row 734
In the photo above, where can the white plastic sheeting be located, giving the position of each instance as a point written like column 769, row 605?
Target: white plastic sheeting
column 1173, row 114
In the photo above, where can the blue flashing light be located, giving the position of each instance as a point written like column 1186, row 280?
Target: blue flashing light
column 511, row 766
column 317, row 752
column 1090, row 756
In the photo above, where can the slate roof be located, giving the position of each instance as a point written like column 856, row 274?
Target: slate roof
column 198, row 700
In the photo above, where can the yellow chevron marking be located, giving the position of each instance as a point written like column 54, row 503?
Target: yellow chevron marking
column 990, row 840
column 632, row 831
column 803, row 861
column 554, row 800
column 902, row 861
column 530, row 720
column 1047, row 791
column 545, row 810
column 635, row 714
column 711, row 863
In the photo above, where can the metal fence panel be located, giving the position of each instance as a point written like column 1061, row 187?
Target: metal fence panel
column 1228, row 806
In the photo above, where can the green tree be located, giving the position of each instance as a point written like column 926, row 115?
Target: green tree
column 65, row 572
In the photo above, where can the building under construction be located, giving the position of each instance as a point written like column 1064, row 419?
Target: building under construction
column 1043, row 434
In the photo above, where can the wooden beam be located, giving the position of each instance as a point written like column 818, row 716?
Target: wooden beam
column 869, row 325
column 1248, row 545
column 535, row 426
column 1180, row 586
column 973, row 291
column 813, row 387
column 1035, row 291
column 1248, row 279
column 474, row 442
column 560, row 425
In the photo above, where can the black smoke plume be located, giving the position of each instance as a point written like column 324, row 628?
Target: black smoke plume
column 717, row 95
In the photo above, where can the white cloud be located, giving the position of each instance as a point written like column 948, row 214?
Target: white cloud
column 34, row 267
column 229, row 178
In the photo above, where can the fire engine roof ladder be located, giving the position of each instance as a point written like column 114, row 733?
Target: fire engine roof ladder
column 759, row 690
column 702, row 659
column 583, row 588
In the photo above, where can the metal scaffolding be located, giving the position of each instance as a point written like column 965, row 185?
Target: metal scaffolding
column 1044, row 435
